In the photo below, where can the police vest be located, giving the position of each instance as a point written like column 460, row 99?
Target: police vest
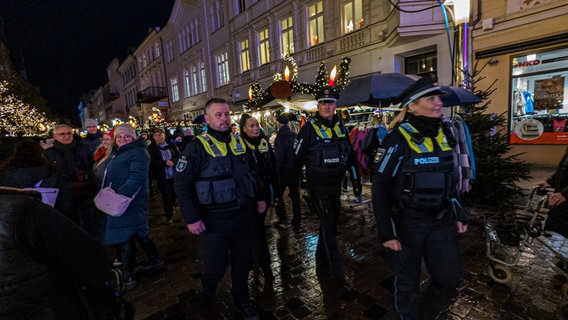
column 326, row 159
column 429, row 172
column 261, row 154
column 224, row 182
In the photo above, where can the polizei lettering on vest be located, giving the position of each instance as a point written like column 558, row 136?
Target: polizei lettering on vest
column 427, row 160
column 332, row 160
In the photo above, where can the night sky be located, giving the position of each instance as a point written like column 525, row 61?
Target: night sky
column 67, row 44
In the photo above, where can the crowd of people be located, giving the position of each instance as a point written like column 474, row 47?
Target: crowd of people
column 225, row 179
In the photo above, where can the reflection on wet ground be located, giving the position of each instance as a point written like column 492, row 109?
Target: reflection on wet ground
column 301, row 291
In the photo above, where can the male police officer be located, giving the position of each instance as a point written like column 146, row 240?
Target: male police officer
column 323, row 146
column 215, row 191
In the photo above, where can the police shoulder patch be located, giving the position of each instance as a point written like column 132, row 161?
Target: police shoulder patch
column 182, row 164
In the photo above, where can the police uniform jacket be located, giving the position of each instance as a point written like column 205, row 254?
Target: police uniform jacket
column 410, row 181
column 327, row 152
column 196, row 160
column 263, row 166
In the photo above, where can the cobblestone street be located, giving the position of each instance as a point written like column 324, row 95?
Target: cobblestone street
column 300, row 292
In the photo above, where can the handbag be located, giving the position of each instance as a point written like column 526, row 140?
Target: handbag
column 109, row 201
column 48, row 195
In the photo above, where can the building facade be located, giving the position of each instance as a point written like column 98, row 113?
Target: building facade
column 219, row 48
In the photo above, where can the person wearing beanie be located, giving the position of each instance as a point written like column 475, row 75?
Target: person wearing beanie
column 323, row 146
column 188, row 136
column 283, row 146
column 126, row 171
column 93, row 137
column 414, row 182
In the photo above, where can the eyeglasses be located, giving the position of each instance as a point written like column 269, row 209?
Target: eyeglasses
column 64, row 134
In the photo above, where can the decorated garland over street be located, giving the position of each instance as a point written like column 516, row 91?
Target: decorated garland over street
column 285, row 84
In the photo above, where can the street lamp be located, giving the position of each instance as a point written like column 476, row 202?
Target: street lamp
column 460, row 53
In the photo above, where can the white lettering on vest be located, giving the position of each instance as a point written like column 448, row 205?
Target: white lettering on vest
column 428, row 160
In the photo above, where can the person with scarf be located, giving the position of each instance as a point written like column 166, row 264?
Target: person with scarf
column 414, row 181
column 163, row 157
column 263, row 166
column 74, row 161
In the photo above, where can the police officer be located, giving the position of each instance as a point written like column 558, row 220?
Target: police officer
column 263, row 164
column 413, row 182
column 323, row 146
column 215, row 191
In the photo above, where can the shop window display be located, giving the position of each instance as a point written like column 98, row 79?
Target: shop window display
column 538, row 108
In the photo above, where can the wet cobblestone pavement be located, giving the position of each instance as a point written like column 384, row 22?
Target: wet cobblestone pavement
column 300, row 292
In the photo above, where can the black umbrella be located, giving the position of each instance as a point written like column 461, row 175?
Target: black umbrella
column 200, row 119
column 458, row 96
column 375, row 89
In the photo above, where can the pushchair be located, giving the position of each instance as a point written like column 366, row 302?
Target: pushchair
column 509, row 235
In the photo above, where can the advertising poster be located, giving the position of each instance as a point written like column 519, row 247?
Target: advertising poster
column 548, row 93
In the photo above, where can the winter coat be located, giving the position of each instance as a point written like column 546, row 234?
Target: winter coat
column 127, row 170
column 93, row 141
column 79, row 174
column 28, row 177
column 157, row 163
column 283, row 145
column 45, row 260
column 559, row 180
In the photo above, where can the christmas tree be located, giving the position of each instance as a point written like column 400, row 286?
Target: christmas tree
column 497, row 169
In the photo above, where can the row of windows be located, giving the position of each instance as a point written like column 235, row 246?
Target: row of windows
column 194, row 82
column 352, row 19
column 189, row 36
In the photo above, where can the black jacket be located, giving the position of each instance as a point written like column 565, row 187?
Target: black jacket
column 44, row 260
column 157, row 164
column 559, row 180
column 28, row 177
column 283, row 148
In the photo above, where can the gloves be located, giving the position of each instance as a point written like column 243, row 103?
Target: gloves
column 357, row 188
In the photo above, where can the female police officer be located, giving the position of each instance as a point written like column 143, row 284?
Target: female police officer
column 413, row 182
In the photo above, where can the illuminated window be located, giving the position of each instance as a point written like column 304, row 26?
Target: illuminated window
column 203, row 77
column 194, row 80
column 186, row 82
column 426, row 62
column 287, row 35
column 157, row 48
column 352, row 15
column 264, row 46
column 223, row 69
column 316, row 23
column 175, row 89
column 245, row 56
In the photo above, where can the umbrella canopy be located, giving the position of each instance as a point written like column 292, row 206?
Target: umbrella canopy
column 375, row 89
column 458, row 96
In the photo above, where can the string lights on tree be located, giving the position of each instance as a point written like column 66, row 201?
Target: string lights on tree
column 20, row 119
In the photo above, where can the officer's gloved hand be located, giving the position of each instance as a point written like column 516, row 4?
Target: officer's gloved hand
column 357, row 187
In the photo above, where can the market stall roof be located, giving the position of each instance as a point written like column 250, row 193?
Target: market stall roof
column 297, row 101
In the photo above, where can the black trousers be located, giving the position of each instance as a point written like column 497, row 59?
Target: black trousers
column 228, row 239
column 166, row 187
column 294, row 194
column 435, row 242
column 327, row 204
